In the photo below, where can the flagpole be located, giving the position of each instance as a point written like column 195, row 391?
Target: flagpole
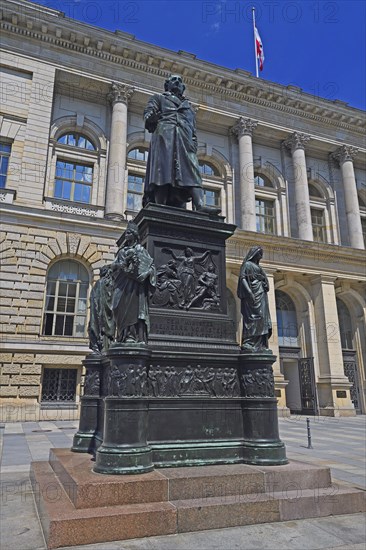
column 255, row 44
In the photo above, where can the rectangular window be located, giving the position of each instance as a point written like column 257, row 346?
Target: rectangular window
column 73, row 182
column 59, row 385
column 318, row 223
column 65, row 311
column 5, row 150
column 211, row 198
column 265, row 216
column 135, row 191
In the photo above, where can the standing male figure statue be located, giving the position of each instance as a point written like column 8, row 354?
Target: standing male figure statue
column 172, row 173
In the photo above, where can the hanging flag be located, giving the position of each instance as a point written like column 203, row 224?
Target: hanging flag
column 259, row 48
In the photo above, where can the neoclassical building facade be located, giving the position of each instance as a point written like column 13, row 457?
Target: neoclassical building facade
column 286, row 167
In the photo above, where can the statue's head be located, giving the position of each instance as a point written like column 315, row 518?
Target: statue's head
column 104, row 270
column 255, row 253
column 132, row 233
column 174, row 84
column 188, row 251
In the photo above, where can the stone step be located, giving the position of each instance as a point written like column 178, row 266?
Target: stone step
column 64, row 525
column 245, row 509
column 87, row 489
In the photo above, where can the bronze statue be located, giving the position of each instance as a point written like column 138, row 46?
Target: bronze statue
column 252, row 290
column 172, row 174
column 134, row 280
column 101, row 328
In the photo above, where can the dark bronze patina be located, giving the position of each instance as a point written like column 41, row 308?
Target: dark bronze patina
column 172, row 175
column 134, row 279
column 101, row 328
column 252, row 290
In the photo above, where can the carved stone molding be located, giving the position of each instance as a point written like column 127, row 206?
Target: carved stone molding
column 295, row 141
column 344, row 153
column 244, row 127
column 120, row 93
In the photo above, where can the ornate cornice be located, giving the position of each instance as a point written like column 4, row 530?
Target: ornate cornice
column 123, row 49
column 120, row 93
column 244, row 127
column 344, row 153
column 296, row 141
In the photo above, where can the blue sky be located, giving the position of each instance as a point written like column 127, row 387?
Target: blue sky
column 317, row 45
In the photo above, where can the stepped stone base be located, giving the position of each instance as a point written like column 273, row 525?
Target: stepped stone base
column 77, row 506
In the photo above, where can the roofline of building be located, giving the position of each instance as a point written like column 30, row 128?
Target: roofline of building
column 109, row 45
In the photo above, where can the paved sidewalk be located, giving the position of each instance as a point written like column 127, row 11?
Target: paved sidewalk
column 337, row 442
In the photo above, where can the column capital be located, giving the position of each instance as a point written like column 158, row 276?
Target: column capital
column 244, row 127
column 120, row 93
column 344, row 153
column 295, row 141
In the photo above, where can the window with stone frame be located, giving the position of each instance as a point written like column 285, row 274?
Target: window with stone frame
column 135, row 191
column 211, row 197
column 212, row 183
column 286, row 320
column 59, row 385
column 318, row 224
column 136, row 165
column 345, row 325
column 265, row 215
column 5, row 151
column 265, row 204
column 74, row 177
column 65, row 310
column 73, row 181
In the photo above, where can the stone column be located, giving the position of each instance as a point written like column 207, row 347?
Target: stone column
column 344, row 157
column 243, row 130
column 296, row 143
column 332, row 382
column 119, row 97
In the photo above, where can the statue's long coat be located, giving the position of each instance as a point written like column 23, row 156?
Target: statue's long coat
column 172, row 155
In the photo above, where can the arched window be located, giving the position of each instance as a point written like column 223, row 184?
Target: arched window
column 66, row 299
column 345, row 325
column 262, row 181
column 314, row 192
column 77, row 167
column 138, row 153
column 286, row 320
column 76, row 140
column 208, row 169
